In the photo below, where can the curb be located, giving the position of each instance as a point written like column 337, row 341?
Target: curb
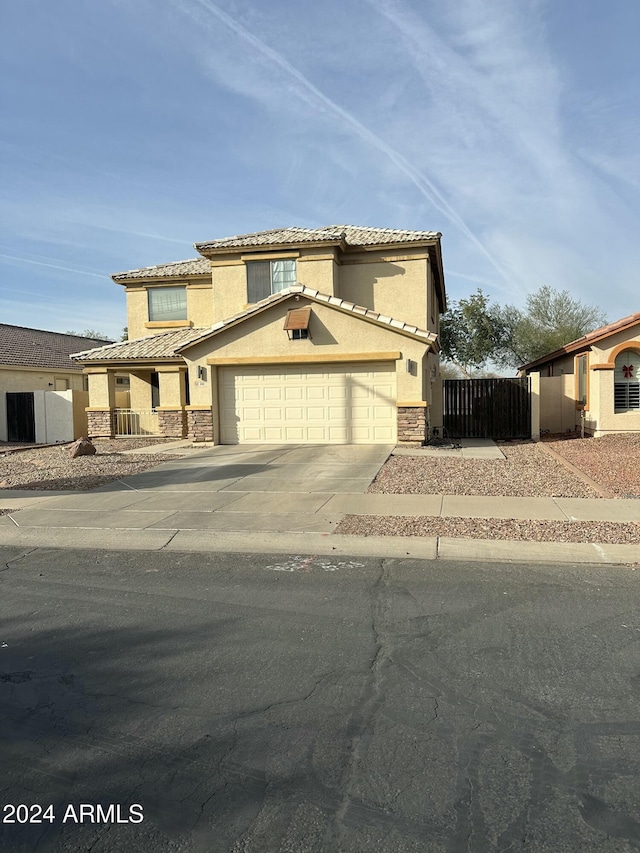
column 387, row 547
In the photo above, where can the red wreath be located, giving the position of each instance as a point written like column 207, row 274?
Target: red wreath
column 627, row 370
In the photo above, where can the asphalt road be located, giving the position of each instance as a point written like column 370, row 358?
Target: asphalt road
column 255, row 703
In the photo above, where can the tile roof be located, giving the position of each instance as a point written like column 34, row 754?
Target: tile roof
column 351, row 235
column 587, row 340
column 176, row 269
column 316, row 296
column 23, row 347
column 163, row 345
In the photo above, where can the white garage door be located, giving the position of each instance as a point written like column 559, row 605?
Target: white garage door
column 321, row 404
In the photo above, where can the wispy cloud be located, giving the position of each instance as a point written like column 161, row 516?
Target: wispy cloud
column 315, row 97
column 52, row 266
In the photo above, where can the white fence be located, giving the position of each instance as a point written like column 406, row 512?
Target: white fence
column 137, row 422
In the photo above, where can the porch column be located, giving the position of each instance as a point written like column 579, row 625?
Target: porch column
column 534, row 378
column 102, row 401
column 140, row 390
column 413, row 423
column 172, row 416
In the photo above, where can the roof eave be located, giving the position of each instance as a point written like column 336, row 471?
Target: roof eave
column 127, row 362
column 119, row 278
column 209, row 251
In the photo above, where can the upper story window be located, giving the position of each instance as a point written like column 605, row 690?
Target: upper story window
column 167, row 303
column 627, row 381
column 267, row 277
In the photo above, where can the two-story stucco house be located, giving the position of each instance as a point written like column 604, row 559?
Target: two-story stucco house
column 296, row 335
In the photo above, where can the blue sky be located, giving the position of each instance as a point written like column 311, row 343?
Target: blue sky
column 133, row 128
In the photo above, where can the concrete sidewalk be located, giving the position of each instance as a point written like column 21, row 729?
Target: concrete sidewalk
column 139, row 507
column 276, row 522
column 272, row 497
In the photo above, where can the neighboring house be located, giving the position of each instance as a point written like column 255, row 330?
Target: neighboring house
column 596, row 378
column 325, row 335
column 32, row 362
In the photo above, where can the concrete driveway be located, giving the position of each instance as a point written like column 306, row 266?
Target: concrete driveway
column 240, row 487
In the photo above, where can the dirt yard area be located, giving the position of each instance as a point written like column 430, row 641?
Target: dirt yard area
column 491, row 528
column 527, row 471
column 51, row 468
column 613, row 461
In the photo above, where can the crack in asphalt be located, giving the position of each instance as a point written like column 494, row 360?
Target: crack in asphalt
column 370, row 702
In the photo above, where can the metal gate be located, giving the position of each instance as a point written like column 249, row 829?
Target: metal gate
column 21, row 423
column 487, row 408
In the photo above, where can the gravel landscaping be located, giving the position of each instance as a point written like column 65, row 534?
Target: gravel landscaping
column 613, row 461
column 51, row 468
column 608, row 532
column 527, row 471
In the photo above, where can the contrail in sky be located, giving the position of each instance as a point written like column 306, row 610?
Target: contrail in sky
column 313, row 95
column 52, row 266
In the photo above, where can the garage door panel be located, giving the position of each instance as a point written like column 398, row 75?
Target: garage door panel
column 317, row 434
column 316, row 413
column 337, row 393
column 316, row 392
column 338, row 435
column 270, row 393
column 273, row 414
column 342, row 404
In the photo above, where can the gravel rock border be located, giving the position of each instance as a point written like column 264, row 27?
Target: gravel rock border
column 613, row 461
column 51, row 468
column 605, row 532
column 527, row 471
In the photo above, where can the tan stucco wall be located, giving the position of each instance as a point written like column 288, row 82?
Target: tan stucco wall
column 172, row 387
column 433, row 313
column 315, row 269
column 199, row 307
column 38, row 379
column 333, row 333
column 557, row 404
column 16, row 379
column 137, row 312
column 318, row 271
column 139, row 390
column 396, row 286
column 602, row 417
column 80, row 401
column 229, row 289
column 102, row 388
column 601, row 352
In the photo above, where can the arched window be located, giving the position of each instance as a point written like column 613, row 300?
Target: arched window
column 627, row 381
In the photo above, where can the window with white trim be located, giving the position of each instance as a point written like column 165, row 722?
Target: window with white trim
column 267, row 277
column 167, row 303
column 626, row 393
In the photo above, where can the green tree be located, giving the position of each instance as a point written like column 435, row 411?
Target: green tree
column 471, row 333
column 125, row 334
column 550, row 319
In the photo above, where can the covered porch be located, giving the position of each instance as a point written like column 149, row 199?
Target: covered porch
column 156, row 404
